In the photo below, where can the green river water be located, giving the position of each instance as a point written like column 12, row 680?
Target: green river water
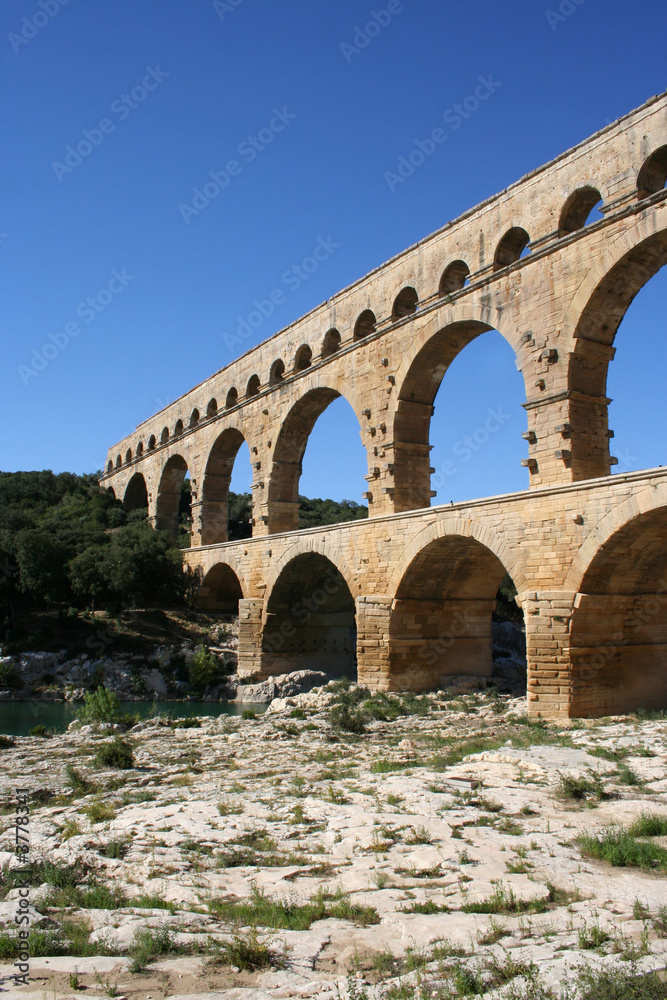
column 17, row 718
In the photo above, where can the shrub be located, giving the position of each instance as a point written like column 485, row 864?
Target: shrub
column 649, row 825
column 189, row 723
column 203, row 670
column 248, row 714
column 40, row 731
column 619, row 848
column 99, row 706
column 6, row 742
column 119, row 753
column 580, row 788
column 345, row 717
column 78, row 783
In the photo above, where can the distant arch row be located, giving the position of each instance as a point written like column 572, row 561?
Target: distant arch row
column 514, row 244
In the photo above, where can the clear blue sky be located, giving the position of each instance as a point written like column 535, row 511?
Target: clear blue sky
column 217, row 76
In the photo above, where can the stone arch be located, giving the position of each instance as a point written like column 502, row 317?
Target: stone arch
column 109, row 466
column 220, row 590
column 194, row 417
column 365, row 325
column 128, row 456
column 309, row 620
column 215, row 486
column 178, row 428
column 577, row 208
column 136, row 493
column 232, row 398
column 290, row 446
column 277, row 372
column 590, row 328
column 164, row 436
column 443, row 335
column 618, row 633
column 331, row 343
column 151, row 442
column 303, row 359
column 441, row 617
column 140, row 449
column 653, row 174
column 510, row 247
column 169, row 495
column 253, row 386
column 453, row 277
column 211, row 409
column 111, row 491
column 119, row 461
column 405, row 303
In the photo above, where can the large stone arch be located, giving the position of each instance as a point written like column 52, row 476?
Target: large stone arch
column 444, row 594
column 309, row 617
column 618, row 632
column 169, row 495
column 213, row 518
column 438, row 339
column 590, row 327
column 135, row 496
column 288, row 452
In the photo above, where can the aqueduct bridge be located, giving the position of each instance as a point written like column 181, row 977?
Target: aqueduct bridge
column 408, row 594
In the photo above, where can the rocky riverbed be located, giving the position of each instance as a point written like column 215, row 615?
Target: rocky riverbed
column 432, row 854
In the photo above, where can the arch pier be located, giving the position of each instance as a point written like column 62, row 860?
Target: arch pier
column 552, row 263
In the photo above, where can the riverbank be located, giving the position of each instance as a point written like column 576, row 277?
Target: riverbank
column 286, row 857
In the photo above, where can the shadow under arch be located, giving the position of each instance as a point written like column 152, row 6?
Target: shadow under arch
column 418, row 381
column 593, row 321
column 441, row 618
column 310, row 619
column 214, row 523
column 618, row 635
column 136, row 494
column 169, row 496
column 290, row 447
column 220, row 590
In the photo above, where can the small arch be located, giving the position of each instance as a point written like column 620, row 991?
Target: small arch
column 252, row 387
column 140, row 449
column 405, row 303
column 577, row 209
column 194, row 417
column 111, row 491
column 164, row 436
column 365, row 325
column 119, row 461
column 331, row 343
column 454, row 277
column 511, row 247
column 232, row 398
column 178, row 429
column 136, row 494
column 128, row 456
column 304, row 358
column 151, row 442
column 215, row 486
column 220, row 591
column 653, row 175
column 212, row 408
column 109, row 466
column 277, row 372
